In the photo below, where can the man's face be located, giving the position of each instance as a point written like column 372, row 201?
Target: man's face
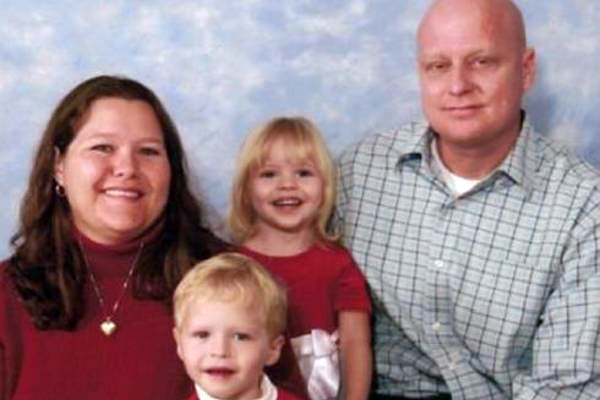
column 473, row 73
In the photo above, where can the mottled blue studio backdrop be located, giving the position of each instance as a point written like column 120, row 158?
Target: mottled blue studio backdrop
column 223, row 66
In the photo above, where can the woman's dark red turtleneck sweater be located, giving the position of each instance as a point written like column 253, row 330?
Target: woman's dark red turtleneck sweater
column 137, row 362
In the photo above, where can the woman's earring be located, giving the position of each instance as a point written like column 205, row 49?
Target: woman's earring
column 59, row 190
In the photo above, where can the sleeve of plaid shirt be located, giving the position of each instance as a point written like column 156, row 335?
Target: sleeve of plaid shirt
column 566, row 346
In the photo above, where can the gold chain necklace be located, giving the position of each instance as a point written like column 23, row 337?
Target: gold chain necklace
column 108, row 325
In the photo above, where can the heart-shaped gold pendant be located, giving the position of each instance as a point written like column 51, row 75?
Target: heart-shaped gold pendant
column 108, row 327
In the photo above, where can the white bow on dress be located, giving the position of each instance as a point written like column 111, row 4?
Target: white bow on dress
column 318, row 358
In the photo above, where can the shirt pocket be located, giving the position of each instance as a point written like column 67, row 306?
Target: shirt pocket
column 497, row 305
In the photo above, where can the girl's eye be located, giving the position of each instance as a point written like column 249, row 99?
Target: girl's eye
column 241, row 336
column 267, row 174
column 305, row 172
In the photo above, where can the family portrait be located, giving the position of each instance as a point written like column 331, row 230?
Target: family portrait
column 300, row 200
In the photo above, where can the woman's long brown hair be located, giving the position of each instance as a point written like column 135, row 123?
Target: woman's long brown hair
column 47, row 268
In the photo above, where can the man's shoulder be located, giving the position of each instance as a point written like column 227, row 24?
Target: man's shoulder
column 387, row 143
column 559, row 162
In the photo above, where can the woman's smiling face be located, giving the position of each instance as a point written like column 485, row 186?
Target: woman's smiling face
column 116, row 172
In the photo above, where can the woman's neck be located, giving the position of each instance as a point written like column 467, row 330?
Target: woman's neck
column 279, row 243
column 122, row 246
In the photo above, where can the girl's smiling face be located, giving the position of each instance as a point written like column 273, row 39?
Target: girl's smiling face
column 286, row 193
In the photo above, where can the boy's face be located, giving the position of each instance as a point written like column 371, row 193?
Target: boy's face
column 224, row 346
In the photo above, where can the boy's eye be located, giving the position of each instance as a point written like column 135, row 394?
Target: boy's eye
column 200, row 334
column 241, row 336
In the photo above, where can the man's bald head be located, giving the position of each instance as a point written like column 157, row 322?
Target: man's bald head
column 474, row 68
column 501, row 15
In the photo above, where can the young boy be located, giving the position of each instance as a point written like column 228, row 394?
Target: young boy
column 230, row 317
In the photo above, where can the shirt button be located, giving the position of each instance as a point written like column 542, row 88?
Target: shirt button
column 454, row 359
column 438, row 264
column 436, row 326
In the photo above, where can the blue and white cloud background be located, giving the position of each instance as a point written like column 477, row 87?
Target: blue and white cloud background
column 221, row 67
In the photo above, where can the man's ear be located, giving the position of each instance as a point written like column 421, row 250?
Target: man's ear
column 529, row 68
column 275, row 350
column 59, row 168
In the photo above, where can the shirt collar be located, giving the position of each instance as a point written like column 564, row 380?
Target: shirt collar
column 269, row 391
column 416, row 142
column 520, row 164
column 523, row 160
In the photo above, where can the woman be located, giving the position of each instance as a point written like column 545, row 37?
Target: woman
column 108, row 227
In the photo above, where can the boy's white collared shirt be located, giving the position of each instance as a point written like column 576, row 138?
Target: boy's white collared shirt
column 268, row 390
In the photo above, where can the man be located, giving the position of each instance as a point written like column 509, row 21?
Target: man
column 480, row 238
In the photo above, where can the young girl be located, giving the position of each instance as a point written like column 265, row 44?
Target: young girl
column 282, row 198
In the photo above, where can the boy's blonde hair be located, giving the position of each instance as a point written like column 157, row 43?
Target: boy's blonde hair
column 233, row 277
column 305, row 142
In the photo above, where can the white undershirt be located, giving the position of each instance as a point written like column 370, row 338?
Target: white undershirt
column 457, row 184
column 269, row 391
